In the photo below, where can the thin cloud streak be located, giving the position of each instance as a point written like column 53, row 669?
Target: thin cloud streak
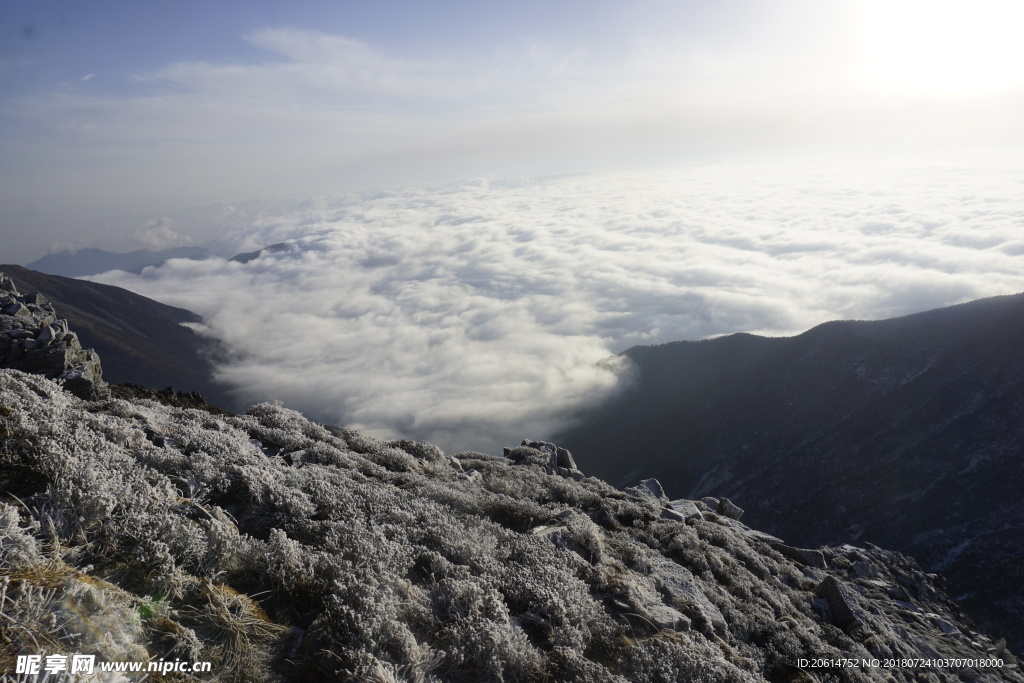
column 479, row 313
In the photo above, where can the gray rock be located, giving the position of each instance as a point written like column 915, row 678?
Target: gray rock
column 811, row 558
column 670, row 514
column 17, row 310
column 569, row 473
column 944, row 626
column 729, row 509
column 711, row 502
column 667, row 618
column 649, row 488
column 865, row 570
column 898, row 593
column 820, row 606
column 559, row 460
column 679, row 585
column 755, row 534
column 687, row 508
column 843, row 603
column 564, row 459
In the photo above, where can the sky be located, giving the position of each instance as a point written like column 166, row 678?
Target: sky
column 120, row 117
column 484, row 201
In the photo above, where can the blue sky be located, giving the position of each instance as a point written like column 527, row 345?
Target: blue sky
column 115, row 116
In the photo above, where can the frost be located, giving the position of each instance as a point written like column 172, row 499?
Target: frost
column 279, row 549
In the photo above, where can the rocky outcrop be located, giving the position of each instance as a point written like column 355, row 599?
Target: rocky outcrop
column 139, row 340
column 555, row 460
column 33, row 340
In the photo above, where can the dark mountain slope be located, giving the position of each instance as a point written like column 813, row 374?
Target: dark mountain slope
column 140, row 340
column 906, row 432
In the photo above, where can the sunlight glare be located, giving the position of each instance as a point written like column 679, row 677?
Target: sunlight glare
column 946, row 45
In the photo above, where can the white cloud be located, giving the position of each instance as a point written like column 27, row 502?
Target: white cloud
column 476, row 314
column 159, row 234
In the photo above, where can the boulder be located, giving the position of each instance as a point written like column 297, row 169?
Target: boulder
column 842, row 603
column 865, row 570
column 668, row 618
column 649, row 488
column 729, row 509
column 686, row 508
column 811, row 558
column 711, row 502
column 681, row 588
column 556, row 460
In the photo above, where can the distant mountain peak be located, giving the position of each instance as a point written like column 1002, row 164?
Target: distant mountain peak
column 90, row 261
column 252, row 255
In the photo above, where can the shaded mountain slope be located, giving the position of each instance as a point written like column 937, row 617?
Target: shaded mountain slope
column 907, row 432
column 139, row 340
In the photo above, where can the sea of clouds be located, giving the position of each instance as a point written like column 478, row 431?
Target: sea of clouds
column 476, row 314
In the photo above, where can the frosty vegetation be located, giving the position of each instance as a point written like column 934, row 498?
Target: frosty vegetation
column 280, row 549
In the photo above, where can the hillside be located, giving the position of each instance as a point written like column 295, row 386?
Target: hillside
column 278, row 549
column 905, row 432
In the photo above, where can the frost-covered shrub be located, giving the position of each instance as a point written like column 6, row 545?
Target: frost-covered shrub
column 588, row 536
column 276, row 547
column 394, row 459
column 674, row 657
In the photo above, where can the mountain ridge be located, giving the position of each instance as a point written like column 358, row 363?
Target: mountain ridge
column 91, row 261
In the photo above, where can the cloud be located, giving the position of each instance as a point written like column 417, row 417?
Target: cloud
column 159, row 234
column 476, row 314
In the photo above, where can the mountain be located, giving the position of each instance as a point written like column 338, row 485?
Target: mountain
column 252, row 255
column 907, row 433
column 264, row 547
column 139, row 340
column 82, row 262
